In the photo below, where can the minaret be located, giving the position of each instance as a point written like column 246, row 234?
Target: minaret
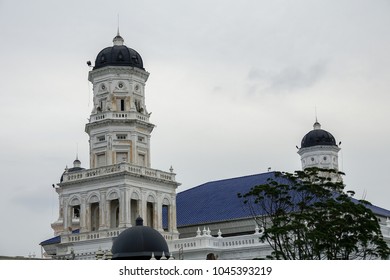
column 319, row 149
column 119, row 129
column 97, row 203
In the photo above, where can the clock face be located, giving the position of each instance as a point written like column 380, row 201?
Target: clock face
column 103, row 87
column 120, row 85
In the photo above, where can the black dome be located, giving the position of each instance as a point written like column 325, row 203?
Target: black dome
column 118, row 55
column 139, row 243
column 318, row 137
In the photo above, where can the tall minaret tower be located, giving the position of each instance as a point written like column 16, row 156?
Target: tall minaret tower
column 319, row 149
column 97, row 203
column 119, row 129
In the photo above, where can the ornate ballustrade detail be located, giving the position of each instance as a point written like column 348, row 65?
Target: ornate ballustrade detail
column 134, row 170
column 119, row 116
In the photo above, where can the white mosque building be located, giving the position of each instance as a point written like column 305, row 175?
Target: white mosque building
column 98, row 203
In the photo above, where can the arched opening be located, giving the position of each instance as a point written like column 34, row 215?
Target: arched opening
column 150, row 214
column 166, row 208
column 211, row 256
column 150, row 211
column 76, row 212
column 134, row 210
column 114, row 213
column 95, row 216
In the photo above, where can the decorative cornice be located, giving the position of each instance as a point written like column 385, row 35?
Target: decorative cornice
column 114, row 70
column 326, row 148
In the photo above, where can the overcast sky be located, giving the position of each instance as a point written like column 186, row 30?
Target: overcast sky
column 233, row 88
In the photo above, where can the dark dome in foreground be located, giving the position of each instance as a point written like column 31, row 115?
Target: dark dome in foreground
column 138, row 243
column 118, row 55
column 318, row 137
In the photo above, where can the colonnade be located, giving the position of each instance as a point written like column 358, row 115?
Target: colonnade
column 118, row 208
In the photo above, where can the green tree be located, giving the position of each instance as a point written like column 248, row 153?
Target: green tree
column 308, row 215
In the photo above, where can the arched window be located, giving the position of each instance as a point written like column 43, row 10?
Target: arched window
column 114, row 213
column 166, row 208
column 95, row 216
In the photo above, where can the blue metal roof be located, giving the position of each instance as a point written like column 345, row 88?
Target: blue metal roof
column 217, row 201
column 379, row 211
column 56, row 239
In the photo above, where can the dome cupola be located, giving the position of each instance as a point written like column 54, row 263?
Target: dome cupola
column 318, row 137
column 118, row 55
column 319, row 149
column 139, row 243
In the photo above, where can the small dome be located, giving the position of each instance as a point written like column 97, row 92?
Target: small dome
column 76, row 163
column 118, row 55
column 139, row 243
column 76, row 167
column 318, row 137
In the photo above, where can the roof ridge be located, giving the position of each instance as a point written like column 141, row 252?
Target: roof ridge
column 227, row 179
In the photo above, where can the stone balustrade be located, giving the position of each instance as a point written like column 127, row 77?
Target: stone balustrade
column 119, row 115
column 100, row 234
column 77, row 237
column 118, row 168
column 210, row 242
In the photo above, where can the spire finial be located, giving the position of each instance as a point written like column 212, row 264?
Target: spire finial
column 118, row 40
column 117, row 34
column 316, row 125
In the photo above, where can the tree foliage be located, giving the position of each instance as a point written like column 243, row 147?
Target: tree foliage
column 308, row 215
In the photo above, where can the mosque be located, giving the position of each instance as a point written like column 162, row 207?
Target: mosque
column 97, row 204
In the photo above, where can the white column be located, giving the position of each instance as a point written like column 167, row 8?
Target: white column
column 104, row 211
column 88, row 221
column 143, row 210
column 123, row 208
column 158, row 213
column 148, row 156
column 67, row 217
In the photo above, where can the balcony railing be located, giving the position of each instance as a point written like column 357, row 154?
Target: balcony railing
column 77, row 237
column 119, row 115
column 118, row 168
column 101, row 234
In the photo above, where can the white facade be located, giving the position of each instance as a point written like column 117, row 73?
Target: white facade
column 97, row 204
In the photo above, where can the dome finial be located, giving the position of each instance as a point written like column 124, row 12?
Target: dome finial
column 118, row 40
column 117, row 33
column 316, row 125
column 77, row 162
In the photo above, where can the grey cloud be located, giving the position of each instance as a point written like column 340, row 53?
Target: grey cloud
column 287, row 79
